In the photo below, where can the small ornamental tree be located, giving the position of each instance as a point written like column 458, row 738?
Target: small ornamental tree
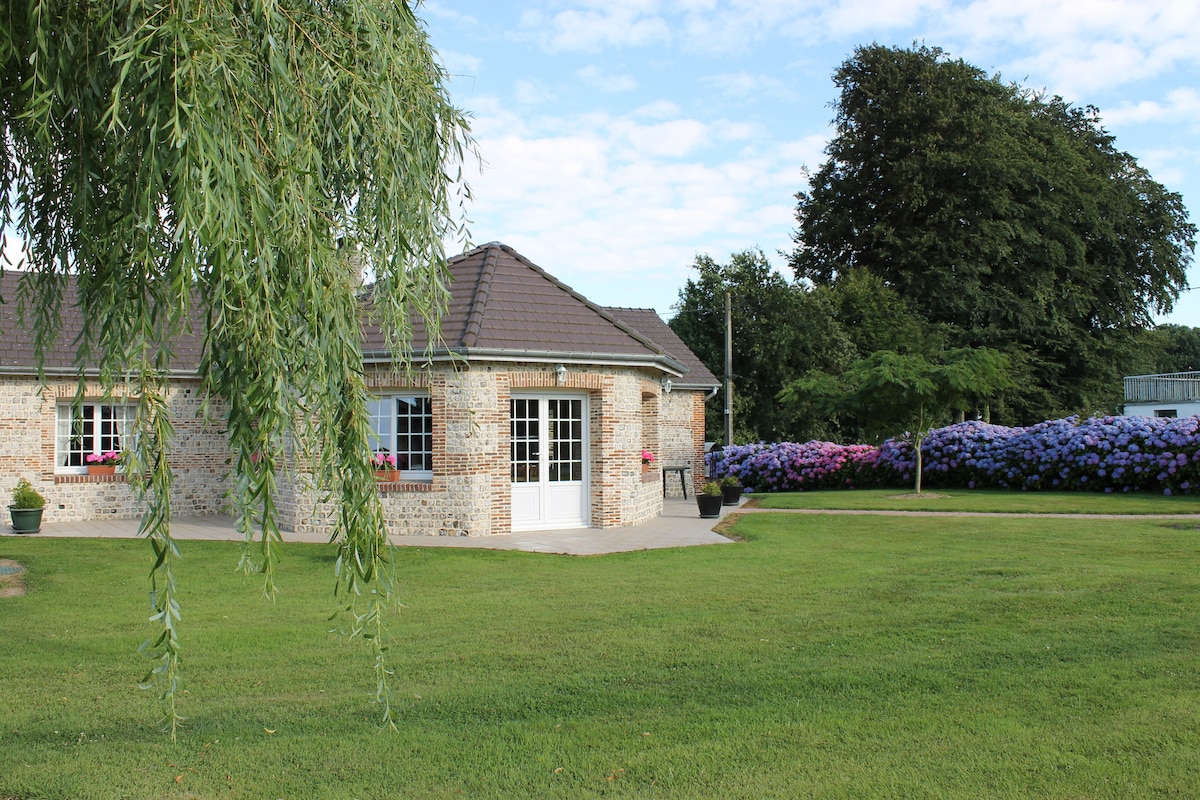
column 892, row 393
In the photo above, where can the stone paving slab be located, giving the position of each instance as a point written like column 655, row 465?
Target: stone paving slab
column 678, row 526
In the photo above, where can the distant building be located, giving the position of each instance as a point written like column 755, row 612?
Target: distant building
column 1174, row 394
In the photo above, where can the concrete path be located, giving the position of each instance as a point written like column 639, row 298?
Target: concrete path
column 678, row 526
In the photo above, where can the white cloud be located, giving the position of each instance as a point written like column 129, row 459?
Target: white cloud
column 445, row 11
column 748, row 86
column 1077, row 48
column 606, row 82
column 529, row 93
column 848, row 18
column 459, row 63
column 1071, row 46
column 596, row 25
column 617, row 206
column 1169, row 166
column 728, row 26
column 659, row 109
column 810, row 150
column 673, row 139
column 1180, row 105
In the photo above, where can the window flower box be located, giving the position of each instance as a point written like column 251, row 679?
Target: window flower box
column 386, row 470
column 103, row 463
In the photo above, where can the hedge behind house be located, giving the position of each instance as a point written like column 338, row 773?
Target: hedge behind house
column 1108, row 454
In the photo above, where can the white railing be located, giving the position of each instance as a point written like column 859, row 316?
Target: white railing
column 1172, row 387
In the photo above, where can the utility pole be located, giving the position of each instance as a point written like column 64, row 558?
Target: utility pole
column 728, row 368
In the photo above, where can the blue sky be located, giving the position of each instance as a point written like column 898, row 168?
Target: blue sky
column 621, row 138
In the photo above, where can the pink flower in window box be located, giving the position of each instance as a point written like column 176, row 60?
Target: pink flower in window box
column 385, row 461
column 107, row 459
column 385, row 467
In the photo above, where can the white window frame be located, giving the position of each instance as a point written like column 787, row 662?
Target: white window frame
column 385, row 433
column 71, row 424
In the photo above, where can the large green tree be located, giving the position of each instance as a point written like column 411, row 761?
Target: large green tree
column 1007, row 218
column 780, row 330
column 1174, row 348
column 234, row 156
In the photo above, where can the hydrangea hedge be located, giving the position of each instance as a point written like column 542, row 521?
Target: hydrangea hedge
column 1103, row 454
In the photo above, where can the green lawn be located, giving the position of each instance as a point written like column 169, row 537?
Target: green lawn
column 988, row 500
column 831, row 657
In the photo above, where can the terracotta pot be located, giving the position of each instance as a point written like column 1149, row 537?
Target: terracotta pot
column 102, row 469
column 387, row 475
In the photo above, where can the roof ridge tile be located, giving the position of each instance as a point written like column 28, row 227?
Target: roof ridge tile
column 481, row 295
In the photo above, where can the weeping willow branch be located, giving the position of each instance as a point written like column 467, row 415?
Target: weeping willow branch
column 147, row 464
column 198, row 164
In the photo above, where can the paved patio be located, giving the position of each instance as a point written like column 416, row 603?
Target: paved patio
column 678, row 526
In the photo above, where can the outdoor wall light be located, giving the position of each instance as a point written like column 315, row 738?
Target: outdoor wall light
column 666, row 384
column 561, row 372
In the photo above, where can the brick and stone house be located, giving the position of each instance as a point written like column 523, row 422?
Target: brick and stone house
column 532, row 412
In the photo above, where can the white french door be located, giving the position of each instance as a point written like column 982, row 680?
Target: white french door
column 549, row 461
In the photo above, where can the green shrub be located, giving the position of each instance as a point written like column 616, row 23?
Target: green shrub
column 25, row 496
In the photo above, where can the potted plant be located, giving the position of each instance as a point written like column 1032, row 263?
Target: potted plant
column 709, row 500
column 647, row 460
column 731, row 490
column 385, row 468
column 26, row 509
column 103, row 463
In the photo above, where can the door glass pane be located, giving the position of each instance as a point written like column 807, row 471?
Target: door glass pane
column 524, row 435
column 566, row 440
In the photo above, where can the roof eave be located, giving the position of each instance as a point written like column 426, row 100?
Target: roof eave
column 662, row 361
column 695, row 387
column 72, row 372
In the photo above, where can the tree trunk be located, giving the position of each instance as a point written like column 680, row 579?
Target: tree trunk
column 918, row 446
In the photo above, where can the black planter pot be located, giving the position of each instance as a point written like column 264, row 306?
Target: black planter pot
column 731, row 494
column 710, row 505
column 26, row 520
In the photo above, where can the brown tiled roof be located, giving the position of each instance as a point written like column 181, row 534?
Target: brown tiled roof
column 16, row 338
column 502, row 306
column 649, row 323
